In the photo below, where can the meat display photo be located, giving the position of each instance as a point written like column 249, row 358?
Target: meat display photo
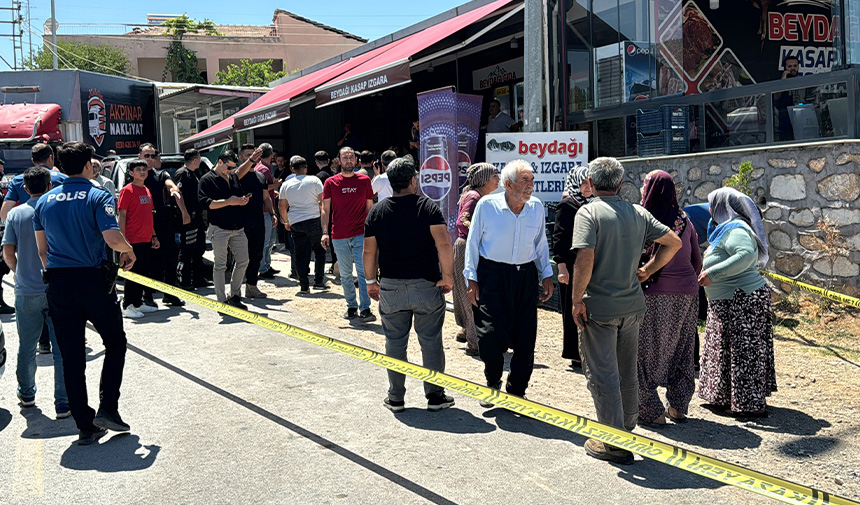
column 701, row 41
column 727, row 72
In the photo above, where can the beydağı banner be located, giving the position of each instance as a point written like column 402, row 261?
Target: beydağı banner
column 552, row 155
column 448, row 135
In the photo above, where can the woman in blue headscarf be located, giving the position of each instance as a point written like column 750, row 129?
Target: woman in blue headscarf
column 737, row 371
column 562, row 238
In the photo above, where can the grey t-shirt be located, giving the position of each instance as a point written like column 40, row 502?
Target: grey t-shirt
column 617, row 231
column 20, row 233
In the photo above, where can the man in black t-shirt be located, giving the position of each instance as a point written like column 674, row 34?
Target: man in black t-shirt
column 221, row 192
column 408, row 238
column 162, row 187
column 256, row 188
column 192, row 236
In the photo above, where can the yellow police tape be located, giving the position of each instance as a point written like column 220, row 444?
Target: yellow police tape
column 826, row 293
column 720, row 471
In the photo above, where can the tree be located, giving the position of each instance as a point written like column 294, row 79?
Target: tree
column 181, row 62
column 103, row 59
column 247, row 73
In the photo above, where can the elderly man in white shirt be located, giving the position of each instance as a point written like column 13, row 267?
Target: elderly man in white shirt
column 507, row 256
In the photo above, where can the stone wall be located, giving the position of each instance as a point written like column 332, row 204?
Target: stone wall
column 801, row 184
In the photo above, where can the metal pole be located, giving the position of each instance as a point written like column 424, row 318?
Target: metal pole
column 533, row 83
column 30, row 30
column 54, row 34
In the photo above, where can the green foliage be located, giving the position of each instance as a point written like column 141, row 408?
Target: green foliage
column 108, row 60
column 742, row 181
column 248, row 74
column 178, row 27
column 181, row 64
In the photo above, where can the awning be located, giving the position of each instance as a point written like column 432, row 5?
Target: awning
column 216, row 135
column 274, row 105
column 391, row 68
column 21, row 122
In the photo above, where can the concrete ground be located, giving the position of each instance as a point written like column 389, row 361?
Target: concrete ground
column 226, row 412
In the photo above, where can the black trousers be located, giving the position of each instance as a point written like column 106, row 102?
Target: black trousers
column 307, row 236
column 164, row 258
column 133, row 294
column 506, row 318
column 570, row 346
column 192, row 245
column 256, row 241
column 75, row 296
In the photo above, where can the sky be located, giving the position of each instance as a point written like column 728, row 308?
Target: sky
column 370, row 19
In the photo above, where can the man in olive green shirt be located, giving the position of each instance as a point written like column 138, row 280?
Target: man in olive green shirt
column 608, row 304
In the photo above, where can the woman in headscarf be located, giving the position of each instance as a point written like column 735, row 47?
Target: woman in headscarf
column 562, row 238
column 668, row 333
column 482, row 179
column 737, row 372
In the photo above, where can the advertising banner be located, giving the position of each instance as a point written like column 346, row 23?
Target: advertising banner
column 445, row 126
column 551, row 156
column 638, row 69
column 468, row 125
column 118, row 114
column 705, row 45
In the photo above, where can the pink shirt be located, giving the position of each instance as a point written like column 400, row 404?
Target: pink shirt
column 270, row 179
column 467, row 206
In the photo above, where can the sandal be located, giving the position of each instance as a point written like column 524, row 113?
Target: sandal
column 678, row 420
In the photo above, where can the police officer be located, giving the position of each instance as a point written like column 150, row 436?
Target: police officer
column 73, row 222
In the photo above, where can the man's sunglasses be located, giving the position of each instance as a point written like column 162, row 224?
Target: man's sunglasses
column 147, row 156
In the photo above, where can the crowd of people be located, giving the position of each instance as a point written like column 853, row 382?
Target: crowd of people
column 630, row 276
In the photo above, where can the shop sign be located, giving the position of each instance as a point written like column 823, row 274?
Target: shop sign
column 366, row 84
column 490, row 77
column 552, row 155
column 263, row 116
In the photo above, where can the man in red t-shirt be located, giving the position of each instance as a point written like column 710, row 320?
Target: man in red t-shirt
column 136, row 223
column 348, row 197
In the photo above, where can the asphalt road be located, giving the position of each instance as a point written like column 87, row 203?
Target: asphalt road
column 226, row 412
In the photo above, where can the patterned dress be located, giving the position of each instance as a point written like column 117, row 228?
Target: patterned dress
column 738, row 368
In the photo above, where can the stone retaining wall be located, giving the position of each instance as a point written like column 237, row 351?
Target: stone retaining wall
column 801, row 184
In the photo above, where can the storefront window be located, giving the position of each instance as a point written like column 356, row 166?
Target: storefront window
column 735, row 122
column 611, row 135
column 810, row 113
column 577, row 58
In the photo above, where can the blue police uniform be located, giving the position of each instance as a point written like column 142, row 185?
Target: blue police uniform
column 17, row 193
column 73, row 217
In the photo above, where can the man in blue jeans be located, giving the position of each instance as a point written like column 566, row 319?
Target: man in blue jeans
column 406, row 235
column 31, row 303
column 348, row 197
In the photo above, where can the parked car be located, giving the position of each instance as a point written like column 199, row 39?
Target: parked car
column 115, row 168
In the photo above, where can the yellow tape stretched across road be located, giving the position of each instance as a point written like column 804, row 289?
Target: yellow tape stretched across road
column 720, row 471
column 826, row 293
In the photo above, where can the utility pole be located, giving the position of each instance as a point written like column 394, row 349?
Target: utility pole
column 54, row 34
column 17, row 34
column 29, row 31
column 534, row 63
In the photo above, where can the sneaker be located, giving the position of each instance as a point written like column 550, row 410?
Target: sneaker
column 110, row 421
column 601, row 451
column 323, row 286
column 132, row 313
column 6, row 309
column 26, row 401
column 235, row 301
column 147, row 300
column 293, row 276
column 304, row 290
column 173, row 301
column 351, row 313
column 273, row 271
column 43, row 348
column 267, row 275
column 63, row 411
column 394, row 405
column 252, row 291
column 146, row 309
column 366, row 316
column 439, row 401
column 89, row 437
